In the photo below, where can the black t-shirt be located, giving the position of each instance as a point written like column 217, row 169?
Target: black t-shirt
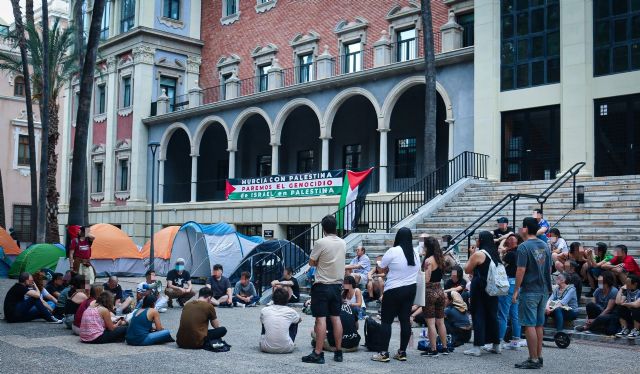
column 52, row 288
column 178, row 280
column 14, row 296
column 510, row 261
column 219, row 287
column 461, row 283
column 295, row 288
column 350, row 336
column 498, row 233
column 116, row 291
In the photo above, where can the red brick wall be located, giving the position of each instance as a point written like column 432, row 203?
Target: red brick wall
column 124, row 128
column 99, row 133
column 289, row 17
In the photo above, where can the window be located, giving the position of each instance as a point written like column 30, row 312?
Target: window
column 352, row 57
column 106, row 18
column 22, row 222
column 466, row 21
column 530, row 34
column 123, row 165
column 127, row 15
column 223, row 85
column 23, row 150
column 264, row 165
column 306, row 162
column 263, row 77
column 169, row 86
column 171, row 9
column 249, row 230
column 102, row 99
column 230, row 8
column 405, row 166
column 4, row 30
column 616, row 36
column 98, row 171
column 352, row 156
column 18, row 86
column 126, row 92
column 406, row 47
column 305, row 66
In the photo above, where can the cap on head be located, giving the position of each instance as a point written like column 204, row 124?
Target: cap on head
column 503, row 220
column 180, row 261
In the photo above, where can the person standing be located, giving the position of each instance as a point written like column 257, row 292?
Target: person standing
column 508, row 311
column 179, row 284
column 80, row 249
column 328, row 256
column 402, row 265
column 434, row 295
column 533, row 285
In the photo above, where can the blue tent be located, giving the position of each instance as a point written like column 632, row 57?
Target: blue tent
column 4, row 264
column 266, row 261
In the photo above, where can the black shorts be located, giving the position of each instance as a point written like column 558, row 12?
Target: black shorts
column 326, row 300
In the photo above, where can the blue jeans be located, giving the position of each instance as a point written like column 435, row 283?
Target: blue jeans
column 559, row 315
column 158, row 337
column 508, row 311
column 254, row 299
column 31, row 309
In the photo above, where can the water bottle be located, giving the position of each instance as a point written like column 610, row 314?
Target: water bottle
column 424, row 332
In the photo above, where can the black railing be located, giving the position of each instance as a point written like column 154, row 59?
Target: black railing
column 513, row 198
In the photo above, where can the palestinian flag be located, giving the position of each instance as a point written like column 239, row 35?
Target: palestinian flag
column 354, row 188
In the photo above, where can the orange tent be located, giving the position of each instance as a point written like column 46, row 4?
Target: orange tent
column 162, row 243
column 9, row 245
column 111, row 243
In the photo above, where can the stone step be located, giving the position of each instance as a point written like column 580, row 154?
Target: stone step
column 550, row 209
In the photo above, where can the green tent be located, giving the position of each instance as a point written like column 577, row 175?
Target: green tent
column 36, row 257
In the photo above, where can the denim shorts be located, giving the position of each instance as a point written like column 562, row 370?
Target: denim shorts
column 531, row 309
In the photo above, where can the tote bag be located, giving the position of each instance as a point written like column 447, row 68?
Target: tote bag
column 420, row 288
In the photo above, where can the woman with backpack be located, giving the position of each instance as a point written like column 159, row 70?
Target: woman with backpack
column 402, row 264
column 484, row 308
column 433, row 267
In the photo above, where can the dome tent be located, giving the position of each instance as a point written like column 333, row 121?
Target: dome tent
column 36, row 257
column 162, row 245
column 11, row 249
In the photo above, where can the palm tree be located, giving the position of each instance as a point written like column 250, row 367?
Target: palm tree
column 430, row 87
column 44, row 115
column 24, row 64
column 77, row 204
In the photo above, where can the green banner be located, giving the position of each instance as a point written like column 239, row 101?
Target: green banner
column 283, row 186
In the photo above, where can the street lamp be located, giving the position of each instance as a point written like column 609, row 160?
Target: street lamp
column 153, row 146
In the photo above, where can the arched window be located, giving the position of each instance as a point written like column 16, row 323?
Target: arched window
column 18, row 86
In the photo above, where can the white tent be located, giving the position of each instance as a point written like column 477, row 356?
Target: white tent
column 204, row 246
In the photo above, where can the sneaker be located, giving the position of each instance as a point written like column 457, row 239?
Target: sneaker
column 170, row 304
column 523, row 343
column 541, row 361
column 581, row 328
column 634, row 334
column 623, row 332
column 430, row 353
column 181, row 303
column 381, row 357
column 445, row 351
column 314, row 358
column 475, row 351
column 337, row 356
column 513, row 345
column 400, row 356
column 492, row 348
column 162, row 310
column 529, row 364
column 54, row 321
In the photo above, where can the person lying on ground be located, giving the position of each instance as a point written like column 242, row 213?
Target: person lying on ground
column 193, row 332
column 279, row 324
column 145, row 327
column 244, row 292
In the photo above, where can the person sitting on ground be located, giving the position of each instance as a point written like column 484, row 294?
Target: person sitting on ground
column 562, row 304
column 503, row 231
column 23, row 304
column 375, row 281
column 122, row 303
column 279, row 324
column 193, row 332
column 456, row 319
column 244, row 292
column 457, row 283
column 352, row 294
column 417, row 316
column 601, row 312
column 56, row 285
column 628, row 301
column 97, row 327
column 289, row 283
column 151, row 285
column 179, row 284
column 145, row 327
column 350, row 336
column 95, row 291
column 622, row 264
column 221, row 287
column 595, row 262
column 450, row 245
column 576, row 257
column 76, row 295
column 359, row 267
column 47, row 299
column 58, row 312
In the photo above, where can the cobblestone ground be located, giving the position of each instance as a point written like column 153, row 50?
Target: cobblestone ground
column 40, row 347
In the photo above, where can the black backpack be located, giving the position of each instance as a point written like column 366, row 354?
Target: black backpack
column 372, row 335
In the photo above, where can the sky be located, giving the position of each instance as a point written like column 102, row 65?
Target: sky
column 6, row 12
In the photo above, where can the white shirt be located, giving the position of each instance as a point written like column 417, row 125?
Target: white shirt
column 400, row 273
column 276, row 320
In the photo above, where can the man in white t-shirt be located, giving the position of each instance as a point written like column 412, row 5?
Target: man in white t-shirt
column 279, row 324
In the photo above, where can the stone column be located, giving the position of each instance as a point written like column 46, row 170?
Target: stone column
column 383, row 160
column 111, row 122
column 194, row 177
column 195, row 96
column 162, row 104
column 274, row 76
column 232, row 163
column 382, row 51
column 451, row 34
column 325, row 154
column 324, row 64
column 232, row 87
column 275, row 159
column 160, row 181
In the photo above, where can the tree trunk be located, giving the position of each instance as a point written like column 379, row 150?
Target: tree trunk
column 44, row 115
column 17, row 15
column 78, row 19
column 78, row 208
column 53, row 234
column 430, row 90
column 3, row 219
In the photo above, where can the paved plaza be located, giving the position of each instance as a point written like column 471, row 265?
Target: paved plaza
column 40, row 347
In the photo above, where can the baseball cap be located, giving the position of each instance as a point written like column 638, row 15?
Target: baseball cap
column 180, row 260
column 503, row 220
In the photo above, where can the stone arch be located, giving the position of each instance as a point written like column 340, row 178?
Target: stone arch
column 166, row 136
column 338, row 100
column 281, row 118
column 400, row 88
column 202, row 128
column 239, row 122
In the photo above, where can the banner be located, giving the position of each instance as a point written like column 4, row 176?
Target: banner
column 281, row 186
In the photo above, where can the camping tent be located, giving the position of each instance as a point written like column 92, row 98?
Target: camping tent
column 162, row 244
column 203, row 246
column 4, row 264
column 266, row 261
column 11, row 249
column 36, row 257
